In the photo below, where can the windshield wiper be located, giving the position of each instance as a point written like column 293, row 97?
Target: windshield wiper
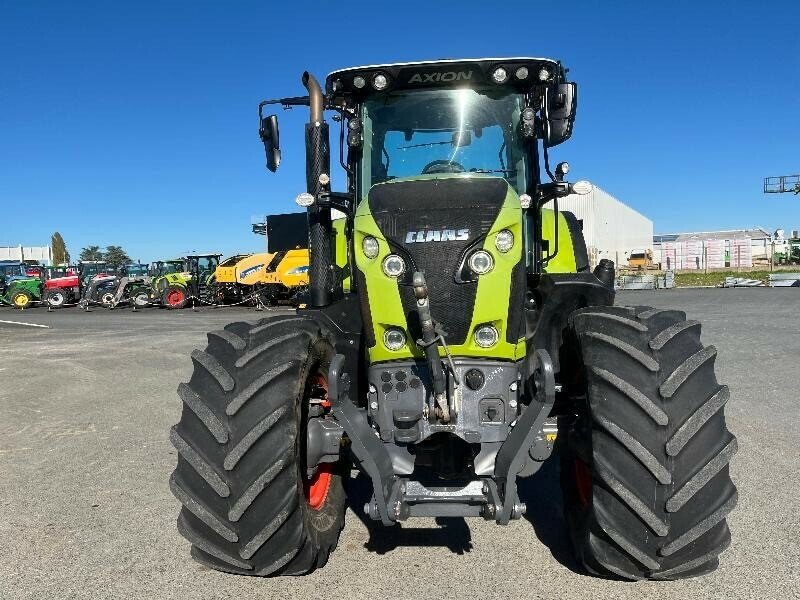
column 509, row 171
column 424, row 145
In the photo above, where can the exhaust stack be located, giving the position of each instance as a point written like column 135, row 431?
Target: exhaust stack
column 318, row 169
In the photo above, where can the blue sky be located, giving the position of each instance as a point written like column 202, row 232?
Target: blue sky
column 135, row 123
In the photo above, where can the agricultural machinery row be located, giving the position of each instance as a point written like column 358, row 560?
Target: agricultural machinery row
column 261, row 279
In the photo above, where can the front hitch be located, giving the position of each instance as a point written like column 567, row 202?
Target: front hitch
column 431, row 338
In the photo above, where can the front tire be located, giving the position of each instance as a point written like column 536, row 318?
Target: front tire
column 175, row 297
column 645, row 468
column 107, row 299
column 140, row 298
column 241, row 475
column 21, row 299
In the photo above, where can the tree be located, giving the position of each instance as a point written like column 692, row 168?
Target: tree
column 60, row 252
column 116, row 257
column 91, row 253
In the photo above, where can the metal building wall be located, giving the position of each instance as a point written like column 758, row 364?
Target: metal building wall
column 43, row 254
column 611, row 228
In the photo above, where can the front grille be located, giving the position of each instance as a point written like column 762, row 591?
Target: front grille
column 437, row 205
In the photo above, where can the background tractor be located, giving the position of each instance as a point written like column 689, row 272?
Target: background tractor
column 175, row 282
column 17, row 287
column 453, row 326
column 90, row 281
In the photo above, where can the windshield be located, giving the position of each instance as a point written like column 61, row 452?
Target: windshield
column 135, row 269
column 16, row 270
column 443, row 131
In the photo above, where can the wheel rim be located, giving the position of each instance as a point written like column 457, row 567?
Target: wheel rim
column 317, row 487
column 140, row 299
column 107, row 299
column 583, row 483
column 175, row 297
column 57, row 299
column 21, row 301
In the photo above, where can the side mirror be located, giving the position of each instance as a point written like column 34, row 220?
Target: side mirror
column 561, row 102
column 271, row 137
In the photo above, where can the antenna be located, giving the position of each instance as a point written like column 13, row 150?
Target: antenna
column 782, row 184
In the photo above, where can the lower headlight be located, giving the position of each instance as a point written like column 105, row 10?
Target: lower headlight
column 393, row 265
column 481, row 262
column 394, row 339
column 486, row 336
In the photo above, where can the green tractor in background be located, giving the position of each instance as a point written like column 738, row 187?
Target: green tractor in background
column 16, row 287
column 177, row 281
column 455, row 336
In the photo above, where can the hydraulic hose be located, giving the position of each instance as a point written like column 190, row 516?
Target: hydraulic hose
column 431, row 346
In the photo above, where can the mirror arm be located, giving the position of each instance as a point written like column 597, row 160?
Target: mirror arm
column 286, row 103
column 546, row 154
column 552, row 191
column 341, row 201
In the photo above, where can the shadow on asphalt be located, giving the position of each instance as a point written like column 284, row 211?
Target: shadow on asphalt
column 453, row 532
column 541, row 493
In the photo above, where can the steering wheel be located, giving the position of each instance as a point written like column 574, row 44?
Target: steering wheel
column 443, row 166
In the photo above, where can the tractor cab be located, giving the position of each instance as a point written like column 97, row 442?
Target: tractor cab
column 11, row 270
column 165, row 267
column 58, row 271
column 90, row 269
column 202, row 266
column 134, row 270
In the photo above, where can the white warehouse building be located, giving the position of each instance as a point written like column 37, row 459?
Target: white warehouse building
column 41, row 254
column 612, row 229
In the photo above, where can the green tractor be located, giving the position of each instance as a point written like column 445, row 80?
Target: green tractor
column 17, row 288
column 791, row 255
column 177, row 281
column 455, row 337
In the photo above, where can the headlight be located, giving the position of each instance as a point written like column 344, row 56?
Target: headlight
column 394, row 339
column 504, row 240
column 582, row 187
column 305, row 199
column 370, row 246
column 481, row 262
column 544, row 74
column 499, row 75
column 359, row 81
column 486, row 336
column 379, row 82
column 302, row 270
column 393, row 265
column 522, row 73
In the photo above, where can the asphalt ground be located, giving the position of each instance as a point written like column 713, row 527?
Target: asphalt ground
column 85, row 511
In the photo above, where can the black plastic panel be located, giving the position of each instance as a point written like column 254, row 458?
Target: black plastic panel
column 453, row 213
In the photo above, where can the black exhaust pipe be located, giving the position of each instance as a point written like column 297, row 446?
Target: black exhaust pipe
column 318, row 169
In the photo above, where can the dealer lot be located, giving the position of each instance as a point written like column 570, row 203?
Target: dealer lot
column 85, row 511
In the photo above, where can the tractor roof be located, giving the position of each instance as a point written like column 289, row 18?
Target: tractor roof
column 470, row 72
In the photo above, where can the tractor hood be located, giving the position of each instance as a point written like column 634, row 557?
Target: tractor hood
column 61, row 282
column 435, row 224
